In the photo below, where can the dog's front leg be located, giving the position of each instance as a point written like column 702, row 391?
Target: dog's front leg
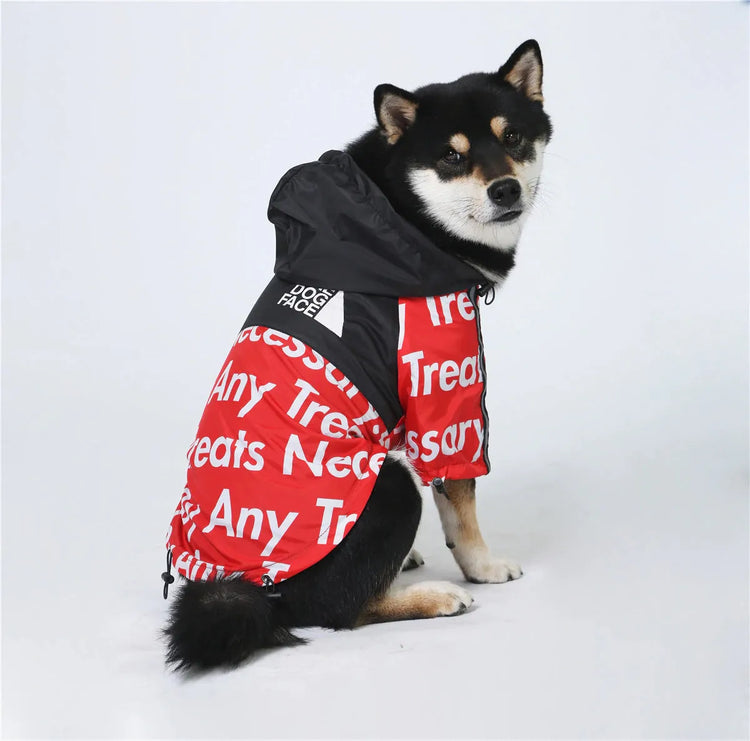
column 456, row 503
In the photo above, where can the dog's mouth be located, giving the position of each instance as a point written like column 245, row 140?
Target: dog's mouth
column 505, row 218
column 508, row 216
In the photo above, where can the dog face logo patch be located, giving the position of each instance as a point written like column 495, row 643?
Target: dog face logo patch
column 306, row 299
column 322, row 304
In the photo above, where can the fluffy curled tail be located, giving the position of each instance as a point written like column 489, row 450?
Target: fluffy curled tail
column 221, row 623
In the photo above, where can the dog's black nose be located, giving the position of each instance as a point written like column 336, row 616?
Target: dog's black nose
column 505, row 192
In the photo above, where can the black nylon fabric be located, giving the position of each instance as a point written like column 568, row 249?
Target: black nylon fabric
column 335, row 229
column 366, row 351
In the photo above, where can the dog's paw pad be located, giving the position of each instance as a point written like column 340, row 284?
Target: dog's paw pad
column 491, row 570
column 413, row 561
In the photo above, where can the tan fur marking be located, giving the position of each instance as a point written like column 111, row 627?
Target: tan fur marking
column 462, row 495
column 412, row 603
column 477, row 174
column 460, row 142
column 458, row 515
column 498, row 126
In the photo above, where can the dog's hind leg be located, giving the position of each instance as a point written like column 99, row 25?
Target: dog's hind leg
column 426, row 599
column 333, row 592
column 458, row 515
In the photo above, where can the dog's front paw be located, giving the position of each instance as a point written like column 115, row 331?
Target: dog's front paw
column 487, row 569
column 413, row 560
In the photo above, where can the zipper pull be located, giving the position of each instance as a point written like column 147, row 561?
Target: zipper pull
column 439, row 485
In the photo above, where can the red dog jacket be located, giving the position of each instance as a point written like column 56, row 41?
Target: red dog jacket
column 366, row 340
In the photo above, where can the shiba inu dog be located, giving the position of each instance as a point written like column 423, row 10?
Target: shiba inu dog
column 359, row 377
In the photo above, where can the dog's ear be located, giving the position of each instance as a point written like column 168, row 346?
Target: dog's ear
column 396, row 111
column 523, row 70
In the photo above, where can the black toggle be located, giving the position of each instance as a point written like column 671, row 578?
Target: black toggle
column 269, row 586
column 439, row 485
column 487, row 292
column 166, row 576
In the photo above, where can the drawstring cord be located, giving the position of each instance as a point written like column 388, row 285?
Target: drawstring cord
column 487, row 292
column 166, row 576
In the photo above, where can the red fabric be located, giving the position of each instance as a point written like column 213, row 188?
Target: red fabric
column 440, row 386
column 288, row 450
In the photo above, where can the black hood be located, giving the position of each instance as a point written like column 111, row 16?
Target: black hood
column 335, row 229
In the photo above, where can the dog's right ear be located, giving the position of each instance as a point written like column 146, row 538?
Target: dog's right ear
column 396, row 111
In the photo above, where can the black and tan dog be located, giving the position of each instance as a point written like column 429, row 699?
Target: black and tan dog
column 302, row 506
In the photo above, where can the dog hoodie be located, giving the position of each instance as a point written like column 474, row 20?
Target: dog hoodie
column 366, row 340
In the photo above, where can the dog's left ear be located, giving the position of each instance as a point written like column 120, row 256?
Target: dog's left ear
column 523, row 70
column 396, row 110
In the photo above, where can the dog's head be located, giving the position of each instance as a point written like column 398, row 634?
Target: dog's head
column 470, row 151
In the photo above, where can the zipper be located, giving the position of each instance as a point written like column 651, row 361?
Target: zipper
column 475, row 291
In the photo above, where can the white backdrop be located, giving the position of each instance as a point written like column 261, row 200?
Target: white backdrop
column 140, row 145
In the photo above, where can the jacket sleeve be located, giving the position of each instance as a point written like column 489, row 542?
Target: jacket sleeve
column 441, row 386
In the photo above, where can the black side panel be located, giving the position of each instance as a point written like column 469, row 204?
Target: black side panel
column 371, row 331
column 366, row 352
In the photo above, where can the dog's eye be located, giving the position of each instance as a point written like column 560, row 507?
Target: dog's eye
column 452, row 157
column 512, row 138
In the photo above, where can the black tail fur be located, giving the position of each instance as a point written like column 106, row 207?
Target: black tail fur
column 220, row 623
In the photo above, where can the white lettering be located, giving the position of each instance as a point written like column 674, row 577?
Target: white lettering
column 274, row 567
column 335, row 461
column 448, row 377
column 221, row 383
column 341, row 524
column 412, row 359
column 359, row 472
column 449, row 441
column 204, row 445
column 226, row 443
column 429, row 442
column 294, row 449
column 449, row 373
column 376, row 462
column 445, row 302
column 197, row 455
column 274, row 338
column 239, row 447
column 301, row 397
column 256, row 394
column 325, row 525
column 432, row 308
column 465, row 307
column 257, row 516
column 241, row 379
column 222, row 514
column 334, row 424
column 256, row 461
column 277, row 531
